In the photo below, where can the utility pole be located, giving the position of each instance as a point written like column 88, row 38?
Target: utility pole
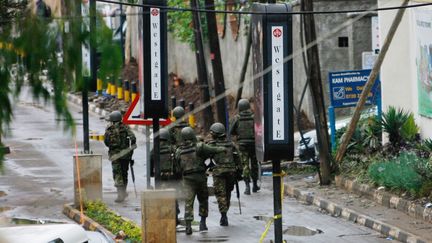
column 215, row 56
column 245, row 65
column 314, row 74
column 369, row 84
column 201, row 67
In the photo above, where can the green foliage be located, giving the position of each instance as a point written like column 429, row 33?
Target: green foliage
column 398, row 173
column 409, row 129
column 366, row 137
column 33, row 53
column 392, row 122
column 180, row 22
column 428, row 144
column 113, row 222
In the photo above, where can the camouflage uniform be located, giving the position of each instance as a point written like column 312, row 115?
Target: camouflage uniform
column 225, row 172
column 117, row 138
column 191, row 157
column 175, row 133
column 242, row 126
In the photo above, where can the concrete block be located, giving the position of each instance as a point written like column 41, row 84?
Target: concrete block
column 87, row 170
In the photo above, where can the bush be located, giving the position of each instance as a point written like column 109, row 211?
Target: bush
column 399, row 173
column 113, row 222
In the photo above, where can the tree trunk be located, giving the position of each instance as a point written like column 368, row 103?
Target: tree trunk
column 314, row 74
column 215, row 55
column 369, row 84
column 201, row 68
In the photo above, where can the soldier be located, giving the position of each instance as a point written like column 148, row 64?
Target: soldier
column 121, row 141
column 191, row 156
column 242, row 126
column 225, row 171
column 169, row 170
column 178, row 113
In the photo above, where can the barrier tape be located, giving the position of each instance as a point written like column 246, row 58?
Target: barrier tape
column 277, row 216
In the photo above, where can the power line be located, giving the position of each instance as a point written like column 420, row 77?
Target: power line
column 169, row 8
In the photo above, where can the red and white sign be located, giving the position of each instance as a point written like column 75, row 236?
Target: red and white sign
column 134, row 115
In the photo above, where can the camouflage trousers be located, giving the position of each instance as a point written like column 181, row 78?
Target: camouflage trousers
column 249, row 162
column 195, row 185
column 223, row 185
column 120, row 172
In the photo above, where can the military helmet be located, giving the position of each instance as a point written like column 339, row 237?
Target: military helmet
column 164, row 134
column 115, row 116
column 187, row 133
column 178, row 112
column 243, row 105
column 217, row 129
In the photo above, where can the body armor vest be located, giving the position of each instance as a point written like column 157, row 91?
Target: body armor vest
column 189, row 160
column 224, row 161
column 166, row 161
column 246, row 127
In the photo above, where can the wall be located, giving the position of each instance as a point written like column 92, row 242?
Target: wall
column 333, row 58
column 399, row 70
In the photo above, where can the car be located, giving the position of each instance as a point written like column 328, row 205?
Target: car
column 50, row 233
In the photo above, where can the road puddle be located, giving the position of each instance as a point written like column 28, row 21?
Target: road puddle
column 222, row 238
column 301, row 231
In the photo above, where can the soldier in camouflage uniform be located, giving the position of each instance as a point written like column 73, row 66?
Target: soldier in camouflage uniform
column 242, row 126
column 119, row 138
column 191, row 156
column 169, row 170
column 178, row 113
column 225, row 171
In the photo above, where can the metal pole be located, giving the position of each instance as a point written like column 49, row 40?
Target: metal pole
column 277, row 201
column 147, row 144
column 156, row 149
column 122, row 19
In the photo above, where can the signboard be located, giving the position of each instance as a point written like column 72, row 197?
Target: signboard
column 347, row 86
column 155, row 59
column 423, row 50
column 135, row 116
column 272, row 42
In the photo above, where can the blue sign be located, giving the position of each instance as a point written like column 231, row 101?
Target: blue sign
column 347, row 86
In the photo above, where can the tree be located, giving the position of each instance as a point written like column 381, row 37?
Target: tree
column 33, row 53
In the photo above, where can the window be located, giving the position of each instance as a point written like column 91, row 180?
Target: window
column 343, row 41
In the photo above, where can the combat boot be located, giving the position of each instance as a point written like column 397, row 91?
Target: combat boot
column 255, row 187
column 224, row 220
column 247, row 189
column 121, row 194
column 188, row 227
column 203, row 225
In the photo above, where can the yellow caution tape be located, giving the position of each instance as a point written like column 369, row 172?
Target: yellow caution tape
column 278, row 216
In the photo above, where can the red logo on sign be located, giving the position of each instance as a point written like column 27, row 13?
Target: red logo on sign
column 277, row 33
column 155, row 12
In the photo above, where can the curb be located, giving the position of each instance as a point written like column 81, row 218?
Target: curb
column 385, row 198
column 88, row 223
column 353, row 216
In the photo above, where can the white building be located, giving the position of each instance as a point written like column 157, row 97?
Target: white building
column 406, row 74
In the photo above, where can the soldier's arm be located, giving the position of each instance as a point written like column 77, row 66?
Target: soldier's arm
column 207, row 151
column 106, row 137
column 131, row 135
column 233, row 126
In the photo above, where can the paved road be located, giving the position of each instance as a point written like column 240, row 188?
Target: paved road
column 38, row 180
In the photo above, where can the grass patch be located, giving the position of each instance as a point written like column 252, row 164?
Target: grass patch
column 113, row 222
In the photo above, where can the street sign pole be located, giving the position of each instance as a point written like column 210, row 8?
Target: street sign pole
column 156, row 149
column 277, row 200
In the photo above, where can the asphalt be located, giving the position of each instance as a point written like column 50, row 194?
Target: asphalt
column 337, row 202
column 38, row 181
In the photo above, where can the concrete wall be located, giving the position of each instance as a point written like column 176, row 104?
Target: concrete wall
column 333, row 58
column 399, row 71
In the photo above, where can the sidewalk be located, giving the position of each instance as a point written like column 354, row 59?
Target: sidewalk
column 258, row 208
